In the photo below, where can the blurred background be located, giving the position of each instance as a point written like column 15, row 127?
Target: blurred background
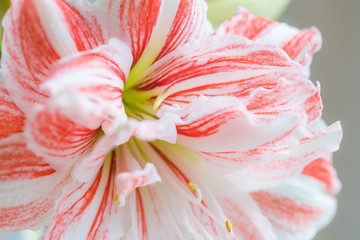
column 337, row 67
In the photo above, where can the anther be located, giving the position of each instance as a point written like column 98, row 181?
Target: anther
column 117, row 199
column 192, row 186
column 228, row 225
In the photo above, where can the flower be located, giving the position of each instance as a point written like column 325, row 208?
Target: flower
column 136, row 120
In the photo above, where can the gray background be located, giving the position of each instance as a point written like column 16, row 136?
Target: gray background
column 337, row 67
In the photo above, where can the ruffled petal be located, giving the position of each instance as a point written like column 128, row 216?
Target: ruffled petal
column 29, row 186
column 297, row 208
column 322, row 170
column 223, row 66
column 126, row 182
column 87, row 95
column 299, row 96
column 36, row 34
column 292, row 40
column 55, row 136
column 88, row 86
column 246, row 218
column 289, row 163
column 88, row 211
column 207, row 120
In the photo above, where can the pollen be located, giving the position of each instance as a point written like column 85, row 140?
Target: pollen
column 228, row 225
column 192, row 186
column 117, row 199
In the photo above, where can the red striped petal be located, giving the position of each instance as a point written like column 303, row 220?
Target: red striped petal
column 190, row 24
column 87, row 210
column 205, row 121
column 29, row 186
column 299, row 96
column 297, row 208
column 55, row 136
column 227, row 65
column 94, row 81
column 19, row 163
column 246, row 218
column 126, row 182
column 137, row 20
column 289, row 163
column 227, row 162
column 86, row 91
column 290, row 39
column 322, row 170
column 36, row 34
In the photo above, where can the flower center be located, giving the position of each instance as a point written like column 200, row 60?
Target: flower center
column 137, row 104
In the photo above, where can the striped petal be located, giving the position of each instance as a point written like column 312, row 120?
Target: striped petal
column 126, row 182
column 292, row 40
column 297, row 208
column 88, row 211
column 93, row 80
column 289, row 163
column 225, row 65
column 154, row 28
column 206, row 120
column 219, row 201
column 136, row 20
column 233, row 161
column 190, row 24
column 322, row 170
column 29, row 186
column 247, row 220
column 36, row 34
column 87, row 92
column 170, row 210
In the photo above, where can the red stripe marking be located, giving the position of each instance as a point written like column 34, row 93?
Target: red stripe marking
column 322, row 170
column 138, row 19
column 19, row 163
column 11, row 118
column 29, row 215
column 105, row 205
column 86, row 32
column 298, row 216
column 67, row 215
column 141, row 221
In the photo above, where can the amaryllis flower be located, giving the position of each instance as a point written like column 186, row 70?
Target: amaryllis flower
column 134, row 119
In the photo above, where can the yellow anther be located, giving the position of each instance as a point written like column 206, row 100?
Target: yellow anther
column 117, row 199
column 228, row 225
column 192, row 186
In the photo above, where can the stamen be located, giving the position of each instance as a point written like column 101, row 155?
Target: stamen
column 211, row 209
column 117, row 199
column 192, row 186
column 228, row 225
column 160, row 98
